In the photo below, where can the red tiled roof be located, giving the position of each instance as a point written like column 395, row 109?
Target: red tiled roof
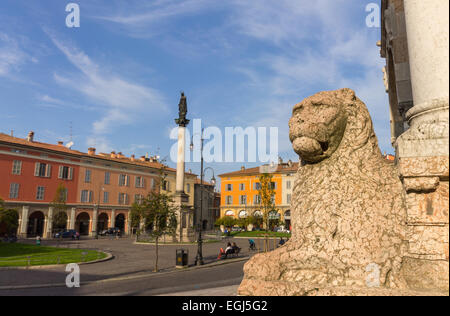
column 281, row 168
column 64, row 150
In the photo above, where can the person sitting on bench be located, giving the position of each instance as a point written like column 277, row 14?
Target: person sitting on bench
column 236, row 249
column 221, row 253
column 229, row 250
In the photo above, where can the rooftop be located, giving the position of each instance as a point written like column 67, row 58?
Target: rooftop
column 61, row 149
column 284, row 167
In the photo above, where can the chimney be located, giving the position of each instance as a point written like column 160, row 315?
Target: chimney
column 91, row 151
column 120, row 155
column 113, row 154
column 30, row 136
column 60, row 143
column 142, row 158
column 242, row 168
column 132, row 158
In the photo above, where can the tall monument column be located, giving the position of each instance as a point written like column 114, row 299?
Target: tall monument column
column 184, row 230
column 422, row 151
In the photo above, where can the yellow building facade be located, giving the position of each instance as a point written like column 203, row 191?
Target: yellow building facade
column 240, row 196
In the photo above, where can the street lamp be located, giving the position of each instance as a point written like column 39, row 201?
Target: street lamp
column 199, row 257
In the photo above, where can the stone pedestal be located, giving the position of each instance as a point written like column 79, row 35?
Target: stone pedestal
column 185, row 216
column 422, row 151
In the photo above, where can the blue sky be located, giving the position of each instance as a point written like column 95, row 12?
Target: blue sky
column 116, row 79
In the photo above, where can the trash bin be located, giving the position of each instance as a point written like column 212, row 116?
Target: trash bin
column 182, row 258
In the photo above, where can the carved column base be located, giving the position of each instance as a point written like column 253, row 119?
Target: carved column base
column 426, row 182
column 184, row 232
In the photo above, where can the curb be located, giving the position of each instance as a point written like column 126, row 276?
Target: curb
column 108, row 257
column 172, row 244
column 130, row 277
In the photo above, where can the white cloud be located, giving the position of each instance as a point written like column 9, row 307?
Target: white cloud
column 11, row 55
column 308, row 46
column 118, row 99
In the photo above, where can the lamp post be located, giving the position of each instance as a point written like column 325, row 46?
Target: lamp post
column 199, row 257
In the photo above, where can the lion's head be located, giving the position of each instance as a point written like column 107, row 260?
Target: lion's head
column 320, row 122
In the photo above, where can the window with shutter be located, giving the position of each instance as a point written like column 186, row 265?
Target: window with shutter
column 17, row 167
column 105, row 197
column 14, row 191
column 40, row 193
column 37, row 167
column 107, row 177
column 70, row 174
column 83, row 196
column 48, row 171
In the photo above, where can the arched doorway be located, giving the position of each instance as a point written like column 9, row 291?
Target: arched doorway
column 243, row 214
column 36, row 224
column 287, row 219
column 102, row 222
column 120, row 222
column 229, row 213
column 274, row 219
column 59, row 222
column 82, row 223
column 258, row 219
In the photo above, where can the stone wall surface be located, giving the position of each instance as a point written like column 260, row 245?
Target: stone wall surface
column 348, row 205
column 352, row 232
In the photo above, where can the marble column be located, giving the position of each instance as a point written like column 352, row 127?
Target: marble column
column 94, row 221
column 181, row 158
column 113, row 219
column 422, row 151
column 49, row 225
column 181, row 198
column 72, row 218
column 24, row 221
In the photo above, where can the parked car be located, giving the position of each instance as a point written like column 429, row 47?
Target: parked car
column 10, row 239
column 68, row 234
column 110, row 231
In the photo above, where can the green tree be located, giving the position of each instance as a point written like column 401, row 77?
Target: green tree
column 9, row 219
column 227, row 221
column 159, row 214
column 266, row 192
column 256, row 221
column 60, row 207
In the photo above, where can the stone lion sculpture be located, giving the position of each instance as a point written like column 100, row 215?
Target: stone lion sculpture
column 348, row 209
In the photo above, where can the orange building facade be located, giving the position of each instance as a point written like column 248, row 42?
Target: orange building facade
column 240, row 192
column 99, row 188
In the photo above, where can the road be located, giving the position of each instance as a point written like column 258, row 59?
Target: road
column 150, row 284
column 129, row 273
